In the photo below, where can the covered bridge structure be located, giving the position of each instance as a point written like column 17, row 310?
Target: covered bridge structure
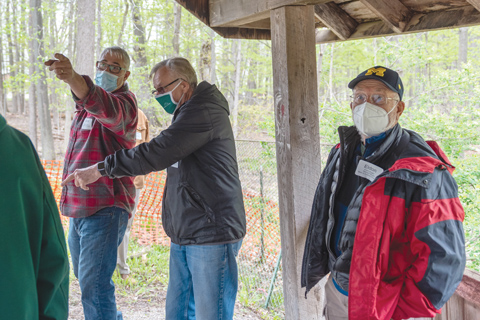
column 295, row 27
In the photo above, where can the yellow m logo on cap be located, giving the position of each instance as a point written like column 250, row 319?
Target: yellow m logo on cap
column 377, row 71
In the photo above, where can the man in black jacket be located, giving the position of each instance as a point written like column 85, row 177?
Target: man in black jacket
column 203, row 210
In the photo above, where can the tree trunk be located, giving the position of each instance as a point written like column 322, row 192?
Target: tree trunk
column 17, row 97
column 70, row 105
column 177, row 14
column 462, row 46
column 141, row 68
column 32, row 109
column 213, row 74
column 330, row 76
column 11, row 62
column 3, row 106
column 99, row 30
column 124, row 23
column 205, row 61
column 85, row 38
column 48, row 151
column 236, row 92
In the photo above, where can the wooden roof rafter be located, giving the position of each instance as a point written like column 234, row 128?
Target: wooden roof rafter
column 337, row 20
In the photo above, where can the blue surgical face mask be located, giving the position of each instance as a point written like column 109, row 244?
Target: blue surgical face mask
column 106, row 80
column 166, row 100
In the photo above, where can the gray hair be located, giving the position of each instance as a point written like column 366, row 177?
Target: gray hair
column 119, row 53
column 180, row 67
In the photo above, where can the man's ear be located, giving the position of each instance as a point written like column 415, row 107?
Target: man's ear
column 185, row 86
column 351, row 106
column 127, row 74
column 400, row 108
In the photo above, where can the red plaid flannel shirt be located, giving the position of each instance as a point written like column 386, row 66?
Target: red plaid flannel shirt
column 104, row 123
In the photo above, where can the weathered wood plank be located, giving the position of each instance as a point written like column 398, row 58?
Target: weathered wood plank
column 392, row 12
column 297, row 144
column 466, row 16
column 454, row 308
column 229, row 13
column 475, row 4
column 261, row 24
column 469, row 288
column 471, row 311
column 337, row 20
column 243, row 33
column 199, row 8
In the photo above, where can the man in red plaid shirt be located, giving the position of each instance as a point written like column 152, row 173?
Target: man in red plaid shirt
column 105, row 121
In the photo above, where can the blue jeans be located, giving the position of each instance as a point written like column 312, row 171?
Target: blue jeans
column 203, row 281
column 93, row 243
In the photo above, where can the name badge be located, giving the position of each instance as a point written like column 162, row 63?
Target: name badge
column 87, row 124
column 139, row 135
column 175, row 165
column 368, row 170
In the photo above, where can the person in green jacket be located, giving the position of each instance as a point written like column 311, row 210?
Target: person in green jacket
column 33, row 255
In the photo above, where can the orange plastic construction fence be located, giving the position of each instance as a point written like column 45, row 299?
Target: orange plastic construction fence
column 260, row 245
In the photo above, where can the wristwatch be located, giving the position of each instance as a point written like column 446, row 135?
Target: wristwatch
column 101, row 168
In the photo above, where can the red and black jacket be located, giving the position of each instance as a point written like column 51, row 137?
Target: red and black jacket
column 403, row 247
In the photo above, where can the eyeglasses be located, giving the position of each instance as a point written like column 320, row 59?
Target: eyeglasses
column 376, row 99
column 162, row 90
column 112, row 68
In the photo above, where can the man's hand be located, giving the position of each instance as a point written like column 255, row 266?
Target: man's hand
column 62, row 67
column 83, row 177
column 64, row 71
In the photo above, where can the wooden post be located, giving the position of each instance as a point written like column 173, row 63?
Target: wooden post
column 298, row 146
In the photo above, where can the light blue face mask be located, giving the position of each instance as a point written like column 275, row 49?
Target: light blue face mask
column 106, row 80
column 166, row 100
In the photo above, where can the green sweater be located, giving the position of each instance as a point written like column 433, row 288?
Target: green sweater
column 33, row 256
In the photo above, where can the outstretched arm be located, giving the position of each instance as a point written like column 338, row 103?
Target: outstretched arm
column 64, row 71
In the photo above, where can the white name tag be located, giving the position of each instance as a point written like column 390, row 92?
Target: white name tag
column 368, row 170
column 87, row 124
column 175, row 165
column 139, row 135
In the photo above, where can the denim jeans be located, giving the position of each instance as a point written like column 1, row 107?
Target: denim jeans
column 93, row 243
column 203, row 281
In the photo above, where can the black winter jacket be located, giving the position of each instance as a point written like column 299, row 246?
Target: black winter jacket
column 202, row 201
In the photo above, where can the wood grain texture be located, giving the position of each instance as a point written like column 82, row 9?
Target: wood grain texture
column 392, row 12
column 337, row 20
column 475, row 4
column 297, row 144
column 465, row 16
column 235, row 13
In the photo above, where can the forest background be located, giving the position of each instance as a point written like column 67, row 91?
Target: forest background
column 440, row 71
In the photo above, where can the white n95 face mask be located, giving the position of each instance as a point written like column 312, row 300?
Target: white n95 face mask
column 370, row 119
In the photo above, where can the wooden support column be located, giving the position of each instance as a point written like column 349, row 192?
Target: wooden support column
column 298, row 146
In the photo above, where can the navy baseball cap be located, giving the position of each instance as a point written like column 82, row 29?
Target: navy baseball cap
column 389, row 77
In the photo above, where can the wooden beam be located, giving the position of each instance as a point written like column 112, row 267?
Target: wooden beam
column 298, row 146
column 234, row 13
column 337, row 20
column 243, row 33
column 261, row 24
column 199, row 8
column 462, row 17
column 392, row 12
column 475, row 4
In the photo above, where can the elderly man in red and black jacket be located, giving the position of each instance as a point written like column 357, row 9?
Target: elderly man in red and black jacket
column 386, row 220
column 105, row 122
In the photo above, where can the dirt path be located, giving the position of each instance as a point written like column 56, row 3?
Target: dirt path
column 147, row 307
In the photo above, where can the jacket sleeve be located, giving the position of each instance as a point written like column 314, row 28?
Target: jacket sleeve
column 190, row 131
column 437, row 246
column 53, row 270
column 115, row 111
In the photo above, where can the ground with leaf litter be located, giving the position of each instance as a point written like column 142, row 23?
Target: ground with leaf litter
column 149, row 305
